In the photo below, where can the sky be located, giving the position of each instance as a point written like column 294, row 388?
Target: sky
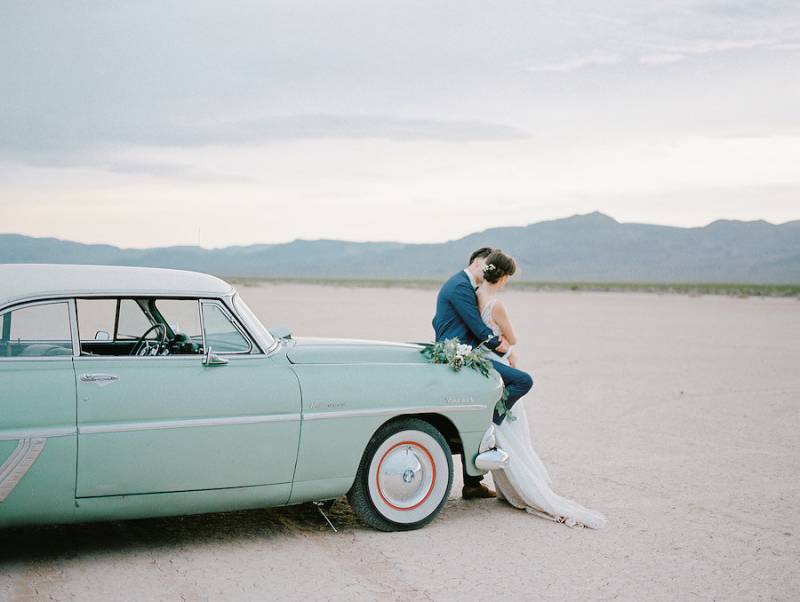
column 157, row 123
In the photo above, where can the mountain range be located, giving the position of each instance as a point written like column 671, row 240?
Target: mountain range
column 583, row 248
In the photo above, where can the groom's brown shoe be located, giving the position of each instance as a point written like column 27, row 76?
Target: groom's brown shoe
column 473, row 492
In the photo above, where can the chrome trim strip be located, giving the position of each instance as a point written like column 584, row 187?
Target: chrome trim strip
column 257, row 330
column 36, row 433
column 23, row 445
column 202, row 326
column 125, row 427
column 73, row 327
column 39, row 358
column 392, row 411
column 18, row 464
column 113, row 293
column 181, row 356
column 138, row 358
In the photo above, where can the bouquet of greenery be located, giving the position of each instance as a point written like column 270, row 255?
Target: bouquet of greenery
column 458, row 355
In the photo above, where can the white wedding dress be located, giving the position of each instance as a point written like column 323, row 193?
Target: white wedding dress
column 524, row 482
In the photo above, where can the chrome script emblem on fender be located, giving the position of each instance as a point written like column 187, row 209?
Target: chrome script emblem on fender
column 328, row 405
column 459, row 400
column 19, row 463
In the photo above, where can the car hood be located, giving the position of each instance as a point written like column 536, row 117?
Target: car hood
column 351, row 351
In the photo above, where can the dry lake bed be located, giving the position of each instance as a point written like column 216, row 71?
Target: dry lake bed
column 677, row 416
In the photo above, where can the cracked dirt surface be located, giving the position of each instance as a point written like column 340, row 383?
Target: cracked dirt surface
column 678, row 417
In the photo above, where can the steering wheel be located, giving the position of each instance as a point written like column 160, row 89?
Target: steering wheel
column 144, row 347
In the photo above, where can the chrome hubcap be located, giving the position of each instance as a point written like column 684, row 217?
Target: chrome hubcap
column 405, row 476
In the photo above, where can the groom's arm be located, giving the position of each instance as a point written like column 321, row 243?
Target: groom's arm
column 466, row 307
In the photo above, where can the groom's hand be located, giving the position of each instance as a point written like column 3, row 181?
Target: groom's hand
column 502, row 347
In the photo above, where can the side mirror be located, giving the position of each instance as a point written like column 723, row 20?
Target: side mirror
column 281, row 333
column 212, row 359
column 102, row 335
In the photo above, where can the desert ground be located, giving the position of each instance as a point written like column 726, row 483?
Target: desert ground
column 677, row 416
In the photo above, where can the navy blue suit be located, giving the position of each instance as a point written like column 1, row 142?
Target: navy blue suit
column 457, row 316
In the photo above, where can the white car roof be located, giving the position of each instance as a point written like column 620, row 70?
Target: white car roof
column 25, row 280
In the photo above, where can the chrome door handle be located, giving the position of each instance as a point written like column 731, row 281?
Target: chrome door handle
column 99, row 378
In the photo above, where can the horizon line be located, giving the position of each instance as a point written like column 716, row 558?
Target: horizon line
column 397, row 242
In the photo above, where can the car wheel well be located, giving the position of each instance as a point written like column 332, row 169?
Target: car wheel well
column 442, row 424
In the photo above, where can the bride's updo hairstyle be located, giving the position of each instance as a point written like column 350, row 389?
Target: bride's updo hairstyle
column 498, row 264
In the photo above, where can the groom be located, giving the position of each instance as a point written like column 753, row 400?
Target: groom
column 457, row 316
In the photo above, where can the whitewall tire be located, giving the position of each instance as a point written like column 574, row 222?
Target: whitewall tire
column 404, row 478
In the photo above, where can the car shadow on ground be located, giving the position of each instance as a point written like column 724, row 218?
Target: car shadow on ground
column 53, row 543
column 58, row 542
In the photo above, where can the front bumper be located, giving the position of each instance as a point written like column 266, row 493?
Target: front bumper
column 490, row 457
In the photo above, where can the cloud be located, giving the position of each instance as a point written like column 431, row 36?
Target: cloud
column 105, row 149
column 573, row 64
column 74, row 136
column 120, row 164
column 664, row 53
column 163, row 170
column 743, row 9
column 680, row 50
column 706, row 46
column 661, row 58
column 322, row 126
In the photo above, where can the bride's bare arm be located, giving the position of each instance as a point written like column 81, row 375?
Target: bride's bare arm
column 500, row 317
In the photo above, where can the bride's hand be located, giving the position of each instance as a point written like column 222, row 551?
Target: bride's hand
column 512, row 359
column 502, row 347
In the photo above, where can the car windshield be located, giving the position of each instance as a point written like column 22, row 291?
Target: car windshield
column 252, row 320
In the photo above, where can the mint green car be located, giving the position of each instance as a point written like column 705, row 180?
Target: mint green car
column 140, row 392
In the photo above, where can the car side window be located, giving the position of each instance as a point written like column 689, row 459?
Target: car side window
column 139, row 327
column 96, row 319
column 221, row 335
column 40, row 330
column 100, row 319
column 132, row 320
column 182, row 315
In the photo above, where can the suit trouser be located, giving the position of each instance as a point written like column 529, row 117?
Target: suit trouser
column 517, row 384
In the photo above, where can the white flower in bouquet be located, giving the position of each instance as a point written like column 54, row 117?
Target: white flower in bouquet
column 463, row 350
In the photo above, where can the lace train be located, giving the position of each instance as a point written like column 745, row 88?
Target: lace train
column 525, row 482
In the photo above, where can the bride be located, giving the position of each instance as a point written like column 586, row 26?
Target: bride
column 524, row 482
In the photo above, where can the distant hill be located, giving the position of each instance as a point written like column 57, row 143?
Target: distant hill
column 587, row 248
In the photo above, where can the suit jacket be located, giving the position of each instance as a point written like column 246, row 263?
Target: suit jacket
column 457, row 314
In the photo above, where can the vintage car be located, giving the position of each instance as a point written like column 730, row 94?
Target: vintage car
column 136, row 392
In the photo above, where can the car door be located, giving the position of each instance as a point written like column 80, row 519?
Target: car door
column 37, row 412
column 151, row 424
